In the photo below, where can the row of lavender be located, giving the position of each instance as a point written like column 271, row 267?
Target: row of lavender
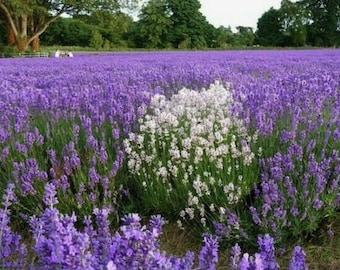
column 258, row 147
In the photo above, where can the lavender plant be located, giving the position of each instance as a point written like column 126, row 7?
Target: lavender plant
column 192, row 156
column 12, row 249
column 58, row 244
column 266, row 258
column 63, row 122
column 299, row 184
column 78, row 164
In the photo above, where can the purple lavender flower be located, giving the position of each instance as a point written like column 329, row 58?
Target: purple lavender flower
column 330, row 233
column 4, row 135
column 53, row 157
column 59, row 244
column 52, row 173
column 4, row 154
column 298, row 260
column 76, row 130
column 131, row 249
column 318, row 204
column 9, row 196
column 29, row 139
column 294, row 211
column 255, row 215
column 292, row 191
column 156, row 223
column 246, row 262
column 251, row 263
column 74, row 160
column 265, row 209
column 232, row 218
column 101, row 243
column 50, row 198
column 185, row 263
column 117, row 163
column 208, row 256
column 93, row 197
column 22, row 148
column 111, row 266
column 235, row 257
column 93, row 143
column 136, row 247
column 102, row 153
column 132, row 220
column 64, row 183
column 10, row 242
column 276, row 173
column 267, row 251
column 94, row 177
column 116, row 133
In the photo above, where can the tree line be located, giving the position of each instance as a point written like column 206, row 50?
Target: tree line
column 161, row 24
column 305, row 22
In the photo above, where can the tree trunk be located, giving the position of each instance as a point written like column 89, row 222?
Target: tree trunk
column 11, row 40
column 23, row 26
column 22, row 44
column 35, row 45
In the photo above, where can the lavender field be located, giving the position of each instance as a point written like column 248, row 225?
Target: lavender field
column 97, row 151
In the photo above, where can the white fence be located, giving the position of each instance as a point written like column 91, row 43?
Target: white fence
column 26, row 54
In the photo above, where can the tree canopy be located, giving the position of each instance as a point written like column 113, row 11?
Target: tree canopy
column 105, row 24
column 155, row 24
column 188, row 24
column 324, row 21
column 311, row 22
column 269, row 29
column 26, row 20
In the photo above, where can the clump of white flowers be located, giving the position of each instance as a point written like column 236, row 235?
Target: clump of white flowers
column 191, row 155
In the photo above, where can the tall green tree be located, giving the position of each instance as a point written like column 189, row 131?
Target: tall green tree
column 26, row 20
column 113, row 26
column 269, row 29
column 134, row 37
column 294, row 21
column 155, row 23
column 245, row 35
column 96, row 40
column 225, row 37
column 189, row 24
column 68, row 32
column 324, row 21
column 210, row 35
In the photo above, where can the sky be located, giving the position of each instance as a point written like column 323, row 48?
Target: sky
column 236, row 12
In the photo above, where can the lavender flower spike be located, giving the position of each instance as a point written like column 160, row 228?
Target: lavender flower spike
column 267, row 251
column 208, row 256
column 298, row 260
column 235, row 258
column 50, row 198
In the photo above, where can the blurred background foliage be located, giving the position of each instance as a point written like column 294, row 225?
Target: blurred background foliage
column 162, row 24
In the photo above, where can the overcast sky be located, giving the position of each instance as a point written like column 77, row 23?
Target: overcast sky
column 236, row 12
